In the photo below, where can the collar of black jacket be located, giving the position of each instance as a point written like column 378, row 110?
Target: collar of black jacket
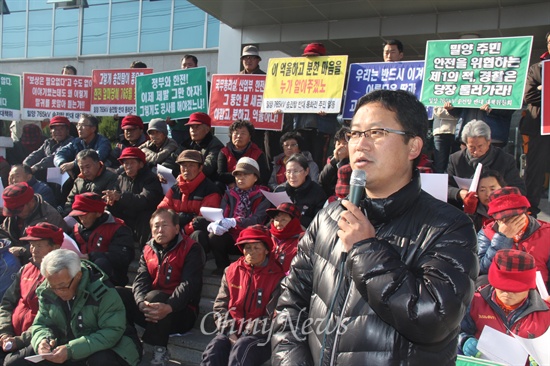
column 381, row 210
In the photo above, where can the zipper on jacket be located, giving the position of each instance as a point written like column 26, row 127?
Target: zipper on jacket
column 341, row 267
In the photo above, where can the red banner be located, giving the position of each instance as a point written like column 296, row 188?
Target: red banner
column 240, row 96
column 114, row 91
column 545, row 101
column 46, row 95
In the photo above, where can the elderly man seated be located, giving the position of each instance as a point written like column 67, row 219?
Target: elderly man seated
column 81, row 318
column 23, row 173
column 477, row 137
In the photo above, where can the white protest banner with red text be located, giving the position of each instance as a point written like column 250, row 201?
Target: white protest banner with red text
column 114, row 91
column 240, row 96
column 47, row 95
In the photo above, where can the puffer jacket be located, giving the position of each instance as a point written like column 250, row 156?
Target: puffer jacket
column 42, row 158
column 396, row 299
column 309, row 197
column 96, row 320
column 105, row 180
column 68, row 153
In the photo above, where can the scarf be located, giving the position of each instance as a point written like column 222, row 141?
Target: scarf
column 291, row 229
column 244, row 205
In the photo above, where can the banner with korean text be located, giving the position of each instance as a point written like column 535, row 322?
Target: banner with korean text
column 240, row 97
column 305, row 84
column 47, row 95
column 366, row 77
column 10, row 97
column 175, row 93
column 474, row 72
column 114, row 91
column 545, row 101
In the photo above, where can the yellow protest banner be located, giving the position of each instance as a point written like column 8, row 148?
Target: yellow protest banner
column 305, row 84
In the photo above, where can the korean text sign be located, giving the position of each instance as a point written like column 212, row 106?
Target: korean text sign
column 173, row 93
column 46, row 95
column 366, row 77
column 114, row 91
column 305, row 84
column 240, row 97
column 474, row 72
column 10, row 97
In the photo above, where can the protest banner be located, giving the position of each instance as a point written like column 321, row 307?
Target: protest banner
column 175, row 93
column 114, row 91
column 473, row 72
column 305, row 84
column 366, row 77
column 46, row 95
column 10, row 97
column 545, row 99
column 240, row 96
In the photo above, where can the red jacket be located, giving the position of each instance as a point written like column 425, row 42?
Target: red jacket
column 189, row 197
column 250, row 288
column 100, row 238
column 253, row 152
column 27, row 307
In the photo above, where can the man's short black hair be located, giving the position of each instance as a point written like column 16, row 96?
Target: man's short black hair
column 91, row 118
column 69, row 67
column 27, row 169
column 138, row 65
column 192, row 57
column 393, row 42
column 88, row 153
column 410, row 112
column 173, row 215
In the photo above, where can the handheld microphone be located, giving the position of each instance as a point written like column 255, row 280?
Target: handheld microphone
column 357, row 183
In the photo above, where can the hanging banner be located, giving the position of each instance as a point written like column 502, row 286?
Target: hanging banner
column 474, row 72
column 366, row 77
column 545, row 99
column 173, row 93
column 239, row 96
column 10, row 97
column 46, row 95
column 114, row 91
column 305, row 84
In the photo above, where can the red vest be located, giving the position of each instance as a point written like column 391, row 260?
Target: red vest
column 100, row 238
column 27, row 307
column 166, row 271
column 285, row 250
column 250, row 288
column 536, row 244
column 253, row 152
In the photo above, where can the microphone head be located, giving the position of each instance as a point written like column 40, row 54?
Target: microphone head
column 358, row 178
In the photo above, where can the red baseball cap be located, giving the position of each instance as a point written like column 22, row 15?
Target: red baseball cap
column 44, row 230
column 131, row 121
column 132, row 153
column 199, row 118
column 315, row 49
column 60, row 120
column 87, row 202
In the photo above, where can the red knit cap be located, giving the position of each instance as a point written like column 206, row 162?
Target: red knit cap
column 513, row 270
column 507, row 202
column 131, row 121
column 60, row 120
column 199, row 118
column 254, row 234
column 132, row 153
column 87, row 202
column 44, row 230
column 15, row 197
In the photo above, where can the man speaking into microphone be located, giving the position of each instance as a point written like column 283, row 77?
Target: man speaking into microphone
column 386, row 282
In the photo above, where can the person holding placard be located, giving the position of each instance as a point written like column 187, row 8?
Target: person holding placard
column 476, row 203
column 510, row 303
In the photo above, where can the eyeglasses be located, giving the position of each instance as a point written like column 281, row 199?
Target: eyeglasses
column 62, row 289
column 289, row 146
column 293, row 172
column 374, row 134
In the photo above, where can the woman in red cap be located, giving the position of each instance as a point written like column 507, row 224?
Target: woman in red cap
column 286, row 231
column 509, row 303
column 244, row 306
column 513, row 228
column 20, row 303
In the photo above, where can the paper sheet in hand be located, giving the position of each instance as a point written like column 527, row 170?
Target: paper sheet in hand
column 475, row 179
column 276, row 198
column 36, row 358
column 166, row 174
column 212, row 213
column 463, row 183
column 537, row 347
column 435, row 184
column 54, row 175
column 499, row 347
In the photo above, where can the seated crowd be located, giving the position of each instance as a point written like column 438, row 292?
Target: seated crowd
column 72, row 300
